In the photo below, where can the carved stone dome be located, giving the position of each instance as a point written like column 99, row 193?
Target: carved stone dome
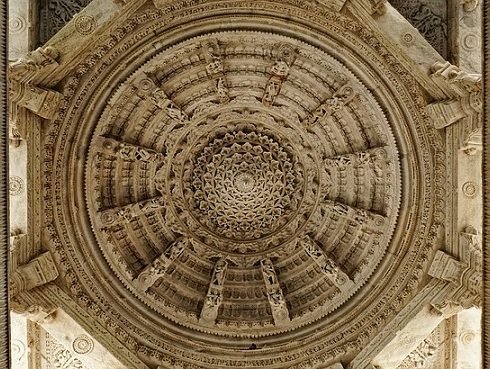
column 239, row 184
column 248, row 148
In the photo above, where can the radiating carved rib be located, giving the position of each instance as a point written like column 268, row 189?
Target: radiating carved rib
column 328, row 266
column 215, row 69
column 279, row 309
column 338, row 101
column 124, row 214
column 369, row 156
column 127, row 151
column 160, row 265
column 214, row 297
column 278, row 74
column 147, row 89
column 360, row 216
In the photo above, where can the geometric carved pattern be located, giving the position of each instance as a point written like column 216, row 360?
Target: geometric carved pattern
column 243, row 176
column 213, row 126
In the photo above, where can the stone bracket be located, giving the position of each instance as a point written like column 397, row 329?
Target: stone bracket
column 279, row 71
column 280, row 312
column 124, row 214
column 159, row 267
column 214, row 297
column 127, row 151
column 215, row 69
column 338, row 277
column 35, row 273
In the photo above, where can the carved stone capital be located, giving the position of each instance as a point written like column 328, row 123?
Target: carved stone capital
column 37, row 272
column 464, row 109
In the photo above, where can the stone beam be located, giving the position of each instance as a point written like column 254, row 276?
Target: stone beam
column 285, row 57
column 328, row 266
column 68, row 322
column 157, row 269
column 214, row 297
column 124, row 214
column 37, row 272
column 280, row 312
column 215, row 70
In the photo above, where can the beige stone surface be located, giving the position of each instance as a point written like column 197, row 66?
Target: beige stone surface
column 215, row 184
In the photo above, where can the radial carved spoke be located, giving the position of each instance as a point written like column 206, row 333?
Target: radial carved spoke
column 214, row 297
column 160, row 265
column 124, row 214
column 329, row 107
column 278, row 73
column 126, row 151
column 147, row 89
column 359, row 158
column 364, row 217
column 327, row 265
column 279, row 309
column 215, row 69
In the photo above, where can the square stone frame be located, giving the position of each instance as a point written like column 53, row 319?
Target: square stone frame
column 4, row 205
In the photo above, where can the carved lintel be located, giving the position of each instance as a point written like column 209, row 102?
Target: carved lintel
column 215, row 69
column 124, row 214
column 280, row 312
column 159, row 267
column 285, row 56
column 328, row 266
column 147, row 89
column 214, row 297
column 337, row 102
column 127, row 151
column 35, row 273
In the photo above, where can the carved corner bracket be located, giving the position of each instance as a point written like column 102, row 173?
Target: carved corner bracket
column 463, row 108
column 26, row 93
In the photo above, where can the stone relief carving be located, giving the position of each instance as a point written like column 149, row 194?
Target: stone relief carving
column 160, row 265
column 54, row 14
column 430, row 18
column 214, row 297
column 200, row 143
column 274, row 293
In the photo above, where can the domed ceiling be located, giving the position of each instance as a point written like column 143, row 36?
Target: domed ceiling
column 227, row 188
